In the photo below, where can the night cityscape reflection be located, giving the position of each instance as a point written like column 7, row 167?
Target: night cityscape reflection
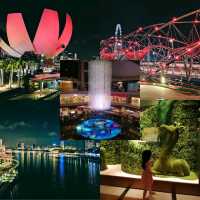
column 67, row 170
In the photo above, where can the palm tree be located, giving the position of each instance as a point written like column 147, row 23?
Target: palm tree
column 2, row 72
column 23, row 68
column 19, row 67
column 11, row 67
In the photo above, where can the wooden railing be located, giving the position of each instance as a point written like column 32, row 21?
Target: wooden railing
column 159, row 186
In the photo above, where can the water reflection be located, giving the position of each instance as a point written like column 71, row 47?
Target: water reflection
column 44, row 175
column 62, row 167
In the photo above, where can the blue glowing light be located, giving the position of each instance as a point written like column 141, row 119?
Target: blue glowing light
column 98, row 129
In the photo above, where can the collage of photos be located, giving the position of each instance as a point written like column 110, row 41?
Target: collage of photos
column 99, row 100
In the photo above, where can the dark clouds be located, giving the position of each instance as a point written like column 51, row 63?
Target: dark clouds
column 33, row 122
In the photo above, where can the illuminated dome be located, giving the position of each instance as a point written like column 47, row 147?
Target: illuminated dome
column 47, row 40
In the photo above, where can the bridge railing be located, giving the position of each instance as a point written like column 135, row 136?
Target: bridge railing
column 159, row 186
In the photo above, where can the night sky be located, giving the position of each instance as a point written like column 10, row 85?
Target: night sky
column 29, row 121
column 96, row 19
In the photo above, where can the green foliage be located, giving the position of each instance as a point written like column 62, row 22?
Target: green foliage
column 185, row 114
column 112, row 151
column 149, row 117
column 176, row 153
column 131, row 157
column 168, row 137
column 180, row 167
column 150, row 134
column 165, row 164
column 157, row 114
column 131, row 154
column 102, row 159
column 164, row 109
column 182, row 114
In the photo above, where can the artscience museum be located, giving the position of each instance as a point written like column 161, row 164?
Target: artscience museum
column 47, row 40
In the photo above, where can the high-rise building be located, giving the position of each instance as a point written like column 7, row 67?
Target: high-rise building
column 2, row 147
column 62, row 144
column 1, row 142
column 21, row 146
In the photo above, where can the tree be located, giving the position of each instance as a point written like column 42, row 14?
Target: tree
column 12, row 66
column 2, row 68
column 21, row 66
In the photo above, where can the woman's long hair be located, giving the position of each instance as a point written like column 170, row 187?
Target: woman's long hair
column 146, row 155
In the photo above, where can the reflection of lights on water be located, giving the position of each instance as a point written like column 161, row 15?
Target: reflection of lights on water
column 62, row 166
column 22, row 159
column 45, row 158
column 54, row 159
column 75, row 168
column 18, row 156
column 92, row 171
column 28, row 158
column 38, row 159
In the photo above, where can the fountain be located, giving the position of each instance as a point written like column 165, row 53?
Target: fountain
column 100, row 74
column 99, row 127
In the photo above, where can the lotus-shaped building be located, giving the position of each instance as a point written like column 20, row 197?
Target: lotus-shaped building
column 47, row 40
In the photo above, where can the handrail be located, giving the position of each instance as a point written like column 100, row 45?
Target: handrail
column 159, row 186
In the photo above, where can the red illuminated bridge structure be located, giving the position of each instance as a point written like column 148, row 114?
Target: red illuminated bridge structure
column 163, row 46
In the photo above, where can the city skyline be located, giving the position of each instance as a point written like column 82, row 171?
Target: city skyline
column 63, row 144
column 29, row 121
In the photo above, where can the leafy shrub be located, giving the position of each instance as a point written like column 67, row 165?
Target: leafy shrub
column 112, row 151
column 186, row 114
column 131, row 157
column 103, row 165
column 149, row 117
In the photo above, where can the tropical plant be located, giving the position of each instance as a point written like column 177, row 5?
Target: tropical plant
column 103, row 165
column 131, row 157
column 112, row 151
column 2, row 69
